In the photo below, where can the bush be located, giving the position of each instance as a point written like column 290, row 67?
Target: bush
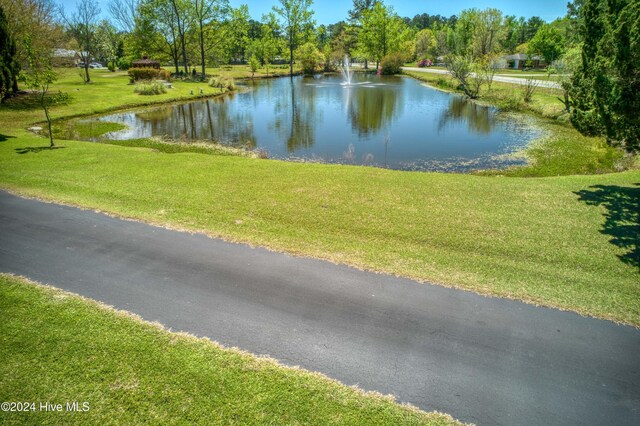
column 310, row 58
column 137, row 74
column 391, row 64
column 425, row 63
column 150, row 88
column 124, row 63
column 222, row 83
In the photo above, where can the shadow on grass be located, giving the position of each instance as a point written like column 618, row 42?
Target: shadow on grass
column 622, row 216
column 37, row 149
column 4, row 138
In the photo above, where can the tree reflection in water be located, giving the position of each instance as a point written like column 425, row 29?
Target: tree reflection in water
column 479, row 119
column 372, row 108
column 296, row 115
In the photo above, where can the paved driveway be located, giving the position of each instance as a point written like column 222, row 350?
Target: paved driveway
column 484, row 360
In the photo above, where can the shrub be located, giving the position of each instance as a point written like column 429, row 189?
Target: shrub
column 310, row 58
column 150, row 88
column 425, row 63
column 163, row 74
column 124, row 63
column 528, row 89
column 137, row 74
column 391, row 64
column 222, row 83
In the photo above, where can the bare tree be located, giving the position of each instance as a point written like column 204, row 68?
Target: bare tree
column 82, row 26
column 124, row 13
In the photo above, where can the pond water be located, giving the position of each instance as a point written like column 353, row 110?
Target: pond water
column 392, row 122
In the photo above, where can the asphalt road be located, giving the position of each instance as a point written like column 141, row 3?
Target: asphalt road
column 484, row 360
column 501, row 78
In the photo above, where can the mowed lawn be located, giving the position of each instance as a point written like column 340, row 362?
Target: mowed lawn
column 569, row 242
column 59, row 348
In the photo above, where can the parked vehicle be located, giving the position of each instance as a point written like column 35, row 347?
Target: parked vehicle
column 95, row 65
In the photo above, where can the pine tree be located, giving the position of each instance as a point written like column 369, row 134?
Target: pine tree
column 606, row 88
column 9, row 66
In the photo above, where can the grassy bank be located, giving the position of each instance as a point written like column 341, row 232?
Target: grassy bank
column 134, row 372
column 569, row 242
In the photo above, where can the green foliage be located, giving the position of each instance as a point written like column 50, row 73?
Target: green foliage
column 548, row 42
column 150, row 88
column 425, row 44
column 392, row 63
column 297, row 22
column 125, row 63
column 39, row 76
column 605, row 91
column 462, row 70
column 222, row 83
column 310, row 58
column 138, row 74
column 9, row 66
column 384, row 32
column 254, row 64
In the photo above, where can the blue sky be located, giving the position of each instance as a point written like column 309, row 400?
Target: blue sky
column 331, row 11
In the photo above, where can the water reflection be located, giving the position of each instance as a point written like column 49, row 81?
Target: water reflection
column 296, row 116
column 479, row 119
column 372, row 108
column 394, row 122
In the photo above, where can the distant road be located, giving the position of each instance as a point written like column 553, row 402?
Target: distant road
column 500, row 78
column 482, row 359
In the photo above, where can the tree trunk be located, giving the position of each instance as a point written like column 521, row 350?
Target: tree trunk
column 290, row 60
column 86, row 71
column 202, row 50
column 46, row 113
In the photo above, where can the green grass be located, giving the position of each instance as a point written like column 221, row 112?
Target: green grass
column 59, row 347
column 570, row 242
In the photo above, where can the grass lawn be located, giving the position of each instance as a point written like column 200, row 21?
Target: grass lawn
column 134, row 372
column 565, row 241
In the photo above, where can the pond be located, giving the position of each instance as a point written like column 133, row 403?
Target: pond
column 392, row 122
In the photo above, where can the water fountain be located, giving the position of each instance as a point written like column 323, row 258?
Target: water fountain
column 346, row 71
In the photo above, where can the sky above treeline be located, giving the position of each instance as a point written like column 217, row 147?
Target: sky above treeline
column 332, row 11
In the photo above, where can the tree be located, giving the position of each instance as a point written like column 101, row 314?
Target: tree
column 606, row 88
column 297, row 21
column 359, row 7
column 39, row 75
column 425, row 43
column 156, row 31
column 206, row 11
column 34, row 19
column 383, row 32
column 107, row 41
column 548, row 43
column 183, row 12
column 9, row 66
column 269, row 43
column 82, row 26
column 310, row 57
column 124, row 13
column 488, row 32
column 462, row 69
column 355, row 17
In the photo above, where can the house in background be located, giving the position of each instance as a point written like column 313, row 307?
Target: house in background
column 519, row 61
column 65, row 58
